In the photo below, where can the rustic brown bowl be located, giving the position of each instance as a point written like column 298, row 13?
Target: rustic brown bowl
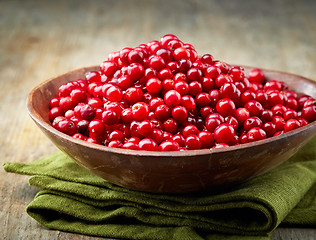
column 173, row 172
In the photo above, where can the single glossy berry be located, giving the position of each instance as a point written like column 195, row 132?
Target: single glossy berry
column 291, row 124
column 192, row 142
column 162, row 112
column 269, row 128
column 169, row 145
column 242, row 114
column 252, row 122
column 140, row 111
column 55, row 112
column 226, row 107
column 224, row 133
column 181, row 87
column 255, row 134
column 148, row 144
column 179, row 113
column 309, row 113
column 256, row 75
column 145, row 128
column 172, row 98
column 133, row 95
column 109, row 117
column 206, row 139
column 254, row 107
column 153, row 85
column 190, row 129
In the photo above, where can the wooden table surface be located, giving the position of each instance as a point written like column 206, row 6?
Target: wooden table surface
column 41, row 39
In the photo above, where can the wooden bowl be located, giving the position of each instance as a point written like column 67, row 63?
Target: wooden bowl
column 173, row 172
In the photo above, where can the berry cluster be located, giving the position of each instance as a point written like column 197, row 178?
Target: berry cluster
column 162, row 96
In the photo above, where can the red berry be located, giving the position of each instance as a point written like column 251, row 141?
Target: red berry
column 179, row 113
column 255, row 134
column 256, row 75
column 140, row 111
column 192, row 142
column 291, row 124
column 148, row 144
column 109, row 117
column 226, row 107
column 224, row 133
column 169, row 145
column 172, row 98
column 153, row 85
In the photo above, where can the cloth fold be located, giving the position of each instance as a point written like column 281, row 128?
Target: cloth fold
column 72, row 199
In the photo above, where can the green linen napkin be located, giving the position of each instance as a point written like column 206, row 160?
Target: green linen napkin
column 74, row 200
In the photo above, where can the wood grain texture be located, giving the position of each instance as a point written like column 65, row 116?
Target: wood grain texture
column 41, row 39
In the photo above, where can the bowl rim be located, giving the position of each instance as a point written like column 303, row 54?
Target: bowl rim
column 188, row 153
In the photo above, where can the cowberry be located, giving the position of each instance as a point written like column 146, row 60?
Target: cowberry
column 163, row 96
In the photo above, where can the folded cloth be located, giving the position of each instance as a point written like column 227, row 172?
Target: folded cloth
column 72, row 199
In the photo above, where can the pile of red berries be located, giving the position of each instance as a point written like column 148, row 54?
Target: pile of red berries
column 162, row 96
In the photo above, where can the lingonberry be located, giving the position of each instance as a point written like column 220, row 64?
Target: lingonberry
column 202, row 99
column 79, row 136
column 207, row 58
column 256, row 75
column 162, row 112
column 115, row 144
column 66, row 103
column 140, row 111
column 179, row 139
column 148, row 144
column 153, row 85
column 291, row 124
column 116, row 135
column 183, row 65
column 170, row 125
column 242, row 114
column 269, row 128
column 215, row 96
column 133, row 95
column 109, row 117
column 309, row 113
column 130, row 146
column 163, row 96
column 266, row 115
column 290, row 114
column 205, row 111
column 255, row 134
column 145, row 128
column 247, row 96
column 194, row 74
column 192, row 142
column 224, row 133
column 212, row 72
column 55, row 112
column 108, row 68
column 278, row 110
column 179, row 113
column 190, row 129
column 226, row 107
column 206, row 139
column 181, row 87
column 254, row 107
column 67, row 126
column 172, row 98
column 252, row 122
column 279, row 122
column 169, row 145
column 157, row 135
